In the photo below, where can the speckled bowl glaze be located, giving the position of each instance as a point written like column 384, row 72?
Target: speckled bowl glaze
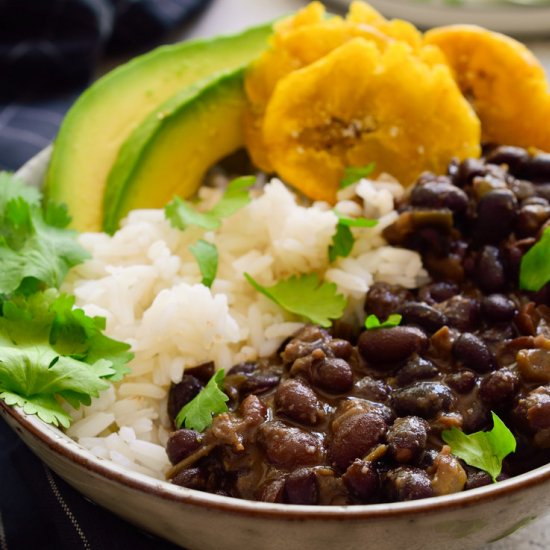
column 197, row 520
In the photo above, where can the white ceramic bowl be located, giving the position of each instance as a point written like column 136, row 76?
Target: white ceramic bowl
column 198, row 520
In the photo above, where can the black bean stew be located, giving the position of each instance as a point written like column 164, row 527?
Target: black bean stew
column 336, row 419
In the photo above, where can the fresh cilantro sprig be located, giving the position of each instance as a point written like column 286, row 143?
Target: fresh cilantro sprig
column 483, row 450
column 35, row 246
column 211, row 400
column 343, row 240
column 206, row 255
column 50, row 352
column 353, row 174
column 372, row 322
column 534, row 271
column 182, row 214
column 319, row 302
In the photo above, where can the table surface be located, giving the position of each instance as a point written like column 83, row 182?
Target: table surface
column 224, row 16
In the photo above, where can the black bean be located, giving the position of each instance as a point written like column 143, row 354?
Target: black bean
column 416, row 368
column 509, row 155
column 341, row 348
column 499, row 388
column 289, row 447
column 533, row 410
column 438, row 292
column 383, row 299
column 362, row 480
column 462, row 381
column 467, row 171
column 543, row 190
column 259, row 383
column 424, row 399
column 203, row 372
column 295, row 399
column 439, row 195
column 391, row 345
column 496, row 212
column 372, row 389
column 462, row 312
column 473, row 353
column 355, row 437
column 489, row 270
column 476, row 478
column 301, row 487
column 530, row 219
column 522, row 189
column 536, row 168
column 423, row 315
column 408, row 483
column 247, row 367
column 272, row 490
column 407, row 439
column 333, row 375
column 180, row 394
column 498, row 308
column 181, row 444
column 192, row 478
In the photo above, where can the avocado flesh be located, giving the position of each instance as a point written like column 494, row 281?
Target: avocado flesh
column 169, row 153
column 106, row 114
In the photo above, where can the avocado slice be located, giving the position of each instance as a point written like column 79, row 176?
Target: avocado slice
column 169, row 152
column 106, row 114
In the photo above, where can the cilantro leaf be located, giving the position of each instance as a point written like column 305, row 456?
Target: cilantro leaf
column 342, row 243
column 483, row 450
column 236, row 196
column 353, row 174
column 181, row 214
column 33, row 244
column 211, row 400
column 534, row 270
column 372, row 322
column 40, row 366
column 343, row 240
column 206, row 255
column 306, row 296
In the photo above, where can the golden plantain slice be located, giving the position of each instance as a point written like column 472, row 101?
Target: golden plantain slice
column 503, row 81
column 358, row 104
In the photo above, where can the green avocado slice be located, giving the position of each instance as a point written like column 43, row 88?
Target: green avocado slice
column 173, row 147
column 106, row 114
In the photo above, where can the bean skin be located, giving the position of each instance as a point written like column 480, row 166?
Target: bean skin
column 498, row 205
column 192, row 478
column 407, row 439
column 513, row 157
column 383, row 299
column 408, row 483
column 440, row 195
column 498, row 308
column 416, row 369
column 355, row 437
column 489, row 270
column 362, row 480
column 424, row 399
column 473, row 353
column 391, row 345
column 301, row 487
column 423, row 315
column 536, row 168
column 333, row 375
column 181, row 444
column 499, row 387
column 296, row 400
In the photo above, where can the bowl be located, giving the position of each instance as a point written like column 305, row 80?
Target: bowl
column 197, row 520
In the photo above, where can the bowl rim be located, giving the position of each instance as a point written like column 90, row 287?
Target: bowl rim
column 62, row 445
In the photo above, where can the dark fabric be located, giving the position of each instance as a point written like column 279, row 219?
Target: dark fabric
column 48, row 52
column 39, row 510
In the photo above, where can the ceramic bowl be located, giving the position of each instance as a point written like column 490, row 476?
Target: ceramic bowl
column 197, row 520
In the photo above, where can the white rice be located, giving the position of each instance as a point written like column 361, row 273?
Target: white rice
column 146, row 283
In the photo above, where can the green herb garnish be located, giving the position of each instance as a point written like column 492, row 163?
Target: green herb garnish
column 182, row 214
column 35, row 246
column 534, row 271
column 353, row 174
column 372, row 322
column 343, row 240
column 206, row 255
column 319, row 302
column 211, row 400
column 483, row 450
column 51, row 352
